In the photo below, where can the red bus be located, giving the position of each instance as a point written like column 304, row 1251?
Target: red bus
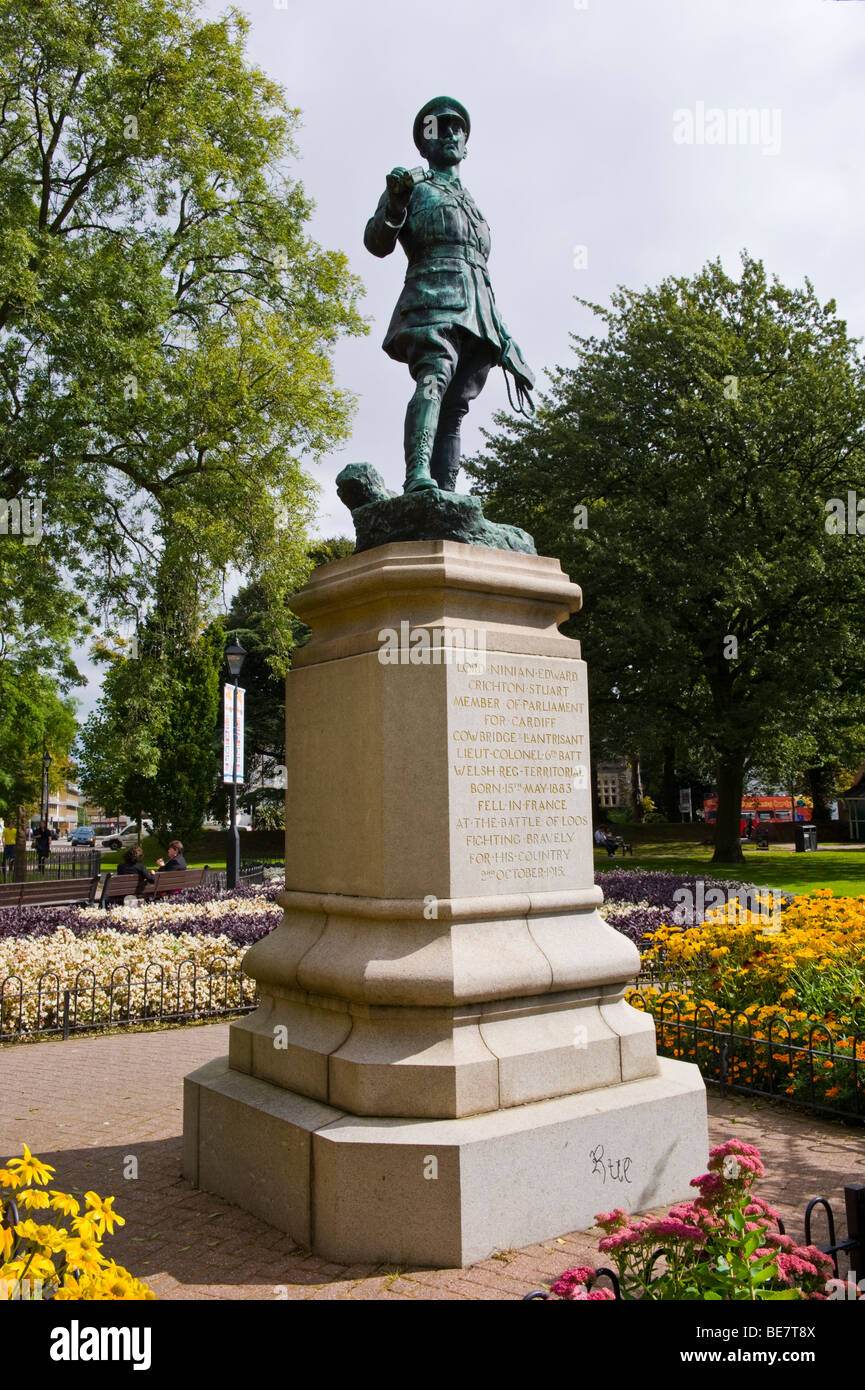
column 770, row 810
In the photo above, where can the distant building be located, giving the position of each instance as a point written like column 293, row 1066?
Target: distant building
column 63, row 807
column 614, row 784
column 102, row 823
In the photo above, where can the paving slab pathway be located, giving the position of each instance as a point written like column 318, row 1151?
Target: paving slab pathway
column 90, row 1105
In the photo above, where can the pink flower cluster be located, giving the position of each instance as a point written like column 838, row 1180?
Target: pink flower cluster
column 678, row 1225
column 696, row 1234
column 576, row 1285
column 799, row 1264
column 732, row 1169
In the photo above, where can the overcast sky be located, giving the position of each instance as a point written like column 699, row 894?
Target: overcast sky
column 572, row 144
column 578, row 140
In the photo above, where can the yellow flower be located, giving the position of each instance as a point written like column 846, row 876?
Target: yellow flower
column 62, row 1202
column 102, row 1213
column 36, row 1265
column 71, row 1288
column 111, row 1283
column 26, row 1229
column 32, row 1198
column 117, row 1282
column 84, row 1254
column 49, row 1237
column 28, row 1169
column 87, row 1227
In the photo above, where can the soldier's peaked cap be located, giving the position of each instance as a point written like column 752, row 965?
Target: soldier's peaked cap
column 439, row 106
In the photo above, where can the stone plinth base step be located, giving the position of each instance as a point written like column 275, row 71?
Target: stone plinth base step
column 442, row 1193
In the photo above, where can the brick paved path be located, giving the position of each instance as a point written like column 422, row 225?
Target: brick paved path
column 86, row 1105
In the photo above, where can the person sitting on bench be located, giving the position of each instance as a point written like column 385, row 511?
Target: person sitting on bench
column 175, row 858
column 604, row 840
column 133, row 863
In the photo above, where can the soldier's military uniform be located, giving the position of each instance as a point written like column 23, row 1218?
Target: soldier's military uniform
column 445, row 326
column 447, row 241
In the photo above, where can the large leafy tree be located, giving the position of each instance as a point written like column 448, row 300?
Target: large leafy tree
column 178, row 795
column 37, row 676
column 153, row 743
column 118, row 747
column 33, row 719
column 150, row 744
column 166, row 324
column 704, row 434
column 38, row 621
column 263, row 679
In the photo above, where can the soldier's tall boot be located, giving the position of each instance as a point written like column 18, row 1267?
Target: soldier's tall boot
column 445, row 461
column 420, row 431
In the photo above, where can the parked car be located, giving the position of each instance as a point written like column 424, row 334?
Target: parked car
column 122, row 839
column 83, row 835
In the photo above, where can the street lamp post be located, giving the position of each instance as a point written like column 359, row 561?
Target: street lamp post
column 46, row 763
column 235, row 655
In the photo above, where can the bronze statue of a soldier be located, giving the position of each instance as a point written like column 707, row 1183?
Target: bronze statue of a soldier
column 446, row 325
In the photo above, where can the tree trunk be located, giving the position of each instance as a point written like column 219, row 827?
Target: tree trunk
column 636, row 787
column 669, row 788
column 731, row 783
column 819, row 780
column 19, row 872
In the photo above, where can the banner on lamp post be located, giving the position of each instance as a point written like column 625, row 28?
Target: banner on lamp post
column 232, row 723
column 238, row 735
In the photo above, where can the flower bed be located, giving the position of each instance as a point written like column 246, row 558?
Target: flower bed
column 658, row 889
column 157, row 960
column 638, row 902
column 237, row 913
column 790, row 997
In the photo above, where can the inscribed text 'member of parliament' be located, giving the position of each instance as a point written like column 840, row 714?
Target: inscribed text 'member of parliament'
column 521, row 777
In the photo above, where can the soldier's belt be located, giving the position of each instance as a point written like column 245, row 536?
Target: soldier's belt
column 457, row 255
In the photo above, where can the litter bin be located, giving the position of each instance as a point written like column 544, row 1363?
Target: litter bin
column 804, row 837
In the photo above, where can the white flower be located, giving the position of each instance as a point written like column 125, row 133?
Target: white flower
column 114, row 974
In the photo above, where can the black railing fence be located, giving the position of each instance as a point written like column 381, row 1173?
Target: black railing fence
column 251, row 871
column 808, row 1065
column 60, row 863
column 157, row 994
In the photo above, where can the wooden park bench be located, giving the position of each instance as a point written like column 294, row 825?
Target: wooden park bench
column 49, row 892
column 119, row 886
column 615, row 844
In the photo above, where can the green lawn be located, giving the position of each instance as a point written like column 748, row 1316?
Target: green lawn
column 207, row 847
column 842, row 870
column 198, row 853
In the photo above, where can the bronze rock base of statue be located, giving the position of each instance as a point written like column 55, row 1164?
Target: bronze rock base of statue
column 429, row 514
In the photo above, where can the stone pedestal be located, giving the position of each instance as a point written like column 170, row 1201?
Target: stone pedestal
column 443, row 1063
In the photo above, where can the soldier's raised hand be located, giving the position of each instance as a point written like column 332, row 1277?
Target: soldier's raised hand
column 400, row 186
